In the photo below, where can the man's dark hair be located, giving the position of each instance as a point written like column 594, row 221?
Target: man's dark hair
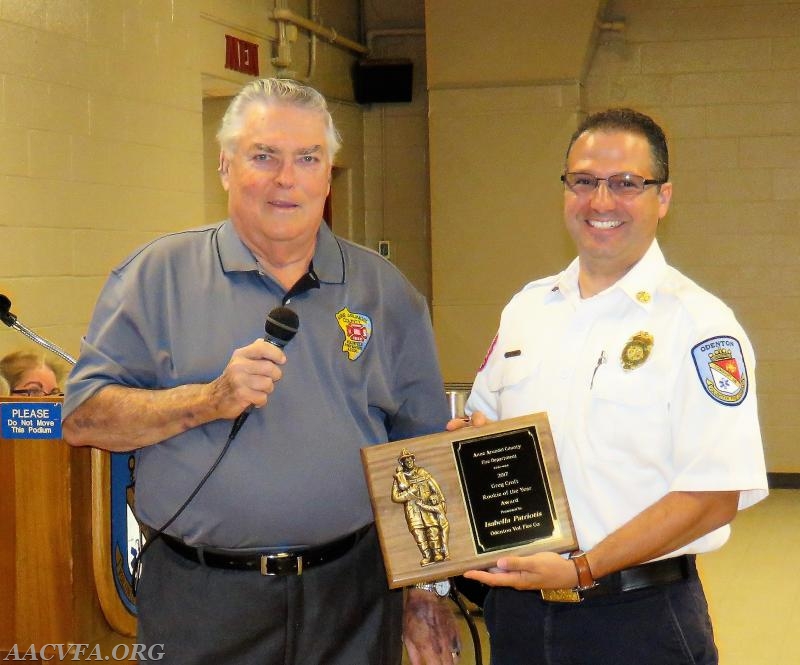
column 628, row 120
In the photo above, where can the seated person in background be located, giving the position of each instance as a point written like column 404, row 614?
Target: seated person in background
column 32, row 374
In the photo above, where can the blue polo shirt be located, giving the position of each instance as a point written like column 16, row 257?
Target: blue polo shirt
column 361, row 370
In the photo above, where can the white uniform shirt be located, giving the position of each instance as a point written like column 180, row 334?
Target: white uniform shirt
column 680, row 420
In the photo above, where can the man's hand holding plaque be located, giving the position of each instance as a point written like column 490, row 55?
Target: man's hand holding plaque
column 541, row 570
column 468, row 499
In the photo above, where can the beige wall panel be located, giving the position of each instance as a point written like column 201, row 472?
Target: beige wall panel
column 349, row 121
column 13, row 152
column 24, row 12
column 374, row 180
column 770, row 152
column 50, row 155
column 44, row 56
column 739, row 184
column 215, row 198
column 464, row 333
column 736, row 87
column 785, row 185
column 406, row 180
column 103, row 250
column 716, row 55
column 781, row 459
column 754, row 119
column 407, row 222
column 47, row 106
column 413, row 257
column 396, row 157
column 248, row 13
column 30, row 202
column 137, row 165
column 704, row 21
column 786, row 51
column 68, row 17
column 347, row 188
column 710, row 220
column 122, row 119
column 495, row 226
column 686, row 122
column 701, row 153
column 332, row 74
column 50, row 259
column 479, row 43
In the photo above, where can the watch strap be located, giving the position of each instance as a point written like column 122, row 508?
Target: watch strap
column 585, row 578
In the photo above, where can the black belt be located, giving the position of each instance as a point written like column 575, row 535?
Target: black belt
column 290, row 562
column 644, row 576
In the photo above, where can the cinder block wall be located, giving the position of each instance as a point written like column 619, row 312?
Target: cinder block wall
column 725, row 80
column 100, row 149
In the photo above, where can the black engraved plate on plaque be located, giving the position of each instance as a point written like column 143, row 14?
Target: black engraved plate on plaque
column 506, row 489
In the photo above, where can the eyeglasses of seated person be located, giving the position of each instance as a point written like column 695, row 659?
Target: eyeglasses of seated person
column 36, row 391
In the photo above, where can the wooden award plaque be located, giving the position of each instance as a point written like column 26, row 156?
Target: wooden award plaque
column 455, row 501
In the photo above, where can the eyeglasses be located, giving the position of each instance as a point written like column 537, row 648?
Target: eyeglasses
column 37, row 392
column 619, row 184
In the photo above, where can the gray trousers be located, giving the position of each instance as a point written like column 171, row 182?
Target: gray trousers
column 341, row 613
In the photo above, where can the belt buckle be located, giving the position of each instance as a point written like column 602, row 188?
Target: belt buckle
column 561, row 595
column 278, row 559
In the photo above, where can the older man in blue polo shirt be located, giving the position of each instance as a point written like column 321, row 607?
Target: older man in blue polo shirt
column 170, row 361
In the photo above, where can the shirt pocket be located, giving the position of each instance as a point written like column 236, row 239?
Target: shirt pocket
column 628, row 416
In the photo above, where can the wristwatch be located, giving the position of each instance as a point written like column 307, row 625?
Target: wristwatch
column 441, row 588
column 586, row 580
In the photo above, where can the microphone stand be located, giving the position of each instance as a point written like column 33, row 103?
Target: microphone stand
column 11, row 321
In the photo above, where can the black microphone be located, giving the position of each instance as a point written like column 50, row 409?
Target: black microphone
column 5, row 311
column 279, row 328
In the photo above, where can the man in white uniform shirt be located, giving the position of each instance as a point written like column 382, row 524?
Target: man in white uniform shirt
column 648, row 382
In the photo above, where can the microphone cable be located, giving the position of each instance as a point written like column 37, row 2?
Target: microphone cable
column 154, row 535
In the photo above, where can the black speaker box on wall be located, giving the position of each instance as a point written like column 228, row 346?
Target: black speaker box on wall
column 382, row 81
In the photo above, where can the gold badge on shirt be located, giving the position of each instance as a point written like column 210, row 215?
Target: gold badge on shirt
column 636, row 350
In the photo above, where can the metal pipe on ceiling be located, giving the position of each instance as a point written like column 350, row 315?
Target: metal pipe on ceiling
column 281, row 14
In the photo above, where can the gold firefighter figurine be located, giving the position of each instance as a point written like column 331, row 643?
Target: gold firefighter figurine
column 425, row 508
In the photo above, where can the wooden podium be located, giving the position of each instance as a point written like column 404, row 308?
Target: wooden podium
column 50, row 591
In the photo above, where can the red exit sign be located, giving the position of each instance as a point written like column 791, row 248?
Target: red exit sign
column 241, row 56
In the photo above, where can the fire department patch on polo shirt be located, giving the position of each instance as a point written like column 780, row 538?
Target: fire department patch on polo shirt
column 720, row 366
column 357, row 329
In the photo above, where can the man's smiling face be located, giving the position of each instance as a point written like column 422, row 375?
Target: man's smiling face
column 613, row 232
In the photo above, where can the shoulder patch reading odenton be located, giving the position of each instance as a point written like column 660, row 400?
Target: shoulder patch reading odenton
column 720, row 366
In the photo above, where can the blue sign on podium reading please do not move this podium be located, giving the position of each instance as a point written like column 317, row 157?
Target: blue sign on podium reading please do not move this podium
column 31, row 420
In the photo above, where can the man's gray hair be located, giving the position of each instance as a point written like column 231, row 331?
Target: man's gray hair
column 274, row 91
